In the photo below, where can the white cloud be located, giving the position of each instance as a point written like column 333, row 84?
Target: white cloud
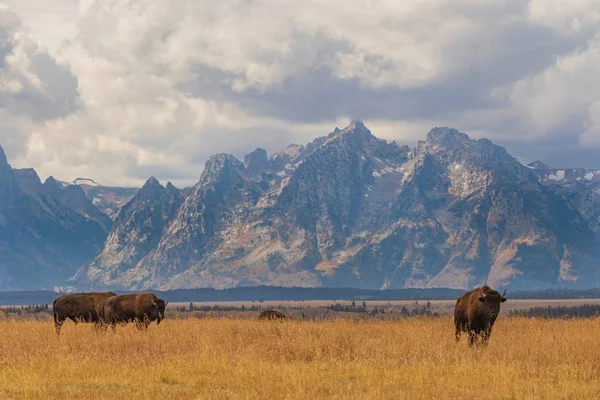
column 147, row 87
column 591, row 136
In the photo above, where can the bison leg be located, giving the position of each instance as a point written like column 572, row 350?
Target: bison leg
column 58, row 324
column 457, row 333
column 485, row 335
column 143, row 324
column 473, row 335
column 100, row 326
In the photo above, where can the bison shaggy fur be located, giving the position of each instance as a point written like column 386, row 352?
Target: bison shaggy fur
column 79, row 307
column 476, row 312
column 141, row 308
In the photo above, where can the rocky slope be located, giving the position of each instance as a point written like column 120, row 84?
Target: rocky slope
column 137, row 230
column 42, row 240
column 107, row 199
column 75, row 198
column 580, row 187
column 352, row 210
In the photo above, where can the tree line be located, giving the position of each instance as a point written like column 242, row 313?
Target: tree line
column 554, row 312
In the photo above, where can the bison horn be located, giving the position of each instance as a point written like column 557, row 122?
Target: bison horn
column 154, row 304
column 482, row 296
column 504, row 293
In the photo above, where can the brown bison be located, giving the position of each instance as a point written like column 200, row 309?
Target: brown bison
column 476, row 313
column 79, row 307
column 141, row 308
column 271, row 314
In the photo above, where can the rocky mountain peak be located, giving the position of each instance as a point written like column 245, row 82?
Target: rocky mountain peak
column 28, row 179
column 538, row 165
column 51, row 181
column 6, row 174
column 256, row 161
column 356, row 128
column 444, row 138
column 171, row 188
column 151, row 188
column 28, row 175
column 52, row 186
column 352, row 210
column 3, row 159
column 223, row 160
column 152, row 182
column 220, row 167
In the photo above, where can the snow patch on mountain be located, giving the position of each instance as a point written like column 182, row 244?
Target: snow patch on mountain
column 558, row 175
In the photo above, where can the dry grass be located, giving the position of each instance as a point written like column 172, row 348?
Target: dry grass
column 229, row 359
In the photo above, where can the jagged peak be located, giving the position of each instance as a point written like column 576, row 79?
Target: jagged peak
column 444, row 135
column 256, row 160
column 52, row 183
column 401, row 146
column 171, row 188
column 3, row 159
column 51, row 180
column 28, row 174
column 152, row 182
column 538, row 165
column 291, row 152
column 170, row 185
column 219, row 161
column 444, row 139
column 356, row 127
column 355, row 131
column 258, row 150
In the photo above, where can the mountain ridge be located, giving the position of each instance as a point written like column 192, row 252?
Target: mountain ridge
column 42, row 240
column 352, row 210
column 346, row 210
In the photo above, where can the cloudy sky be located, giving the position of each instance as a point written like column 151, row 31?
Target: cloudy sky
column 118, row 90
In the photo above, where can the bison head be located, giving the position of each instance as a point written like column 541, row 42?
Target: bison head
column 159, row 307
column 491, row 301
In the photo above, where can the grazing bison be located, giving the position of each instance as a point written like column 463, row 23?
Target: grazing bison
column 271, row 314
column 476, row 313
column 141, row 308
column 79, row 307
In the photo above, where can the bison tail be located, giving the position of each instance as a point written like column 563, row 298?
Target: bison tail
column 54, row 312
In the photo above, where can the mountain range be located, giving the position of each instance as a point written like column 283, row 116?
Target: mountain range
column 346, row 210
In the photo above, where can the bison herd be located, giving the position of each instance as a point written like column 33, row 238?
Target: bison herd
column 475, row 312
column 106, row 308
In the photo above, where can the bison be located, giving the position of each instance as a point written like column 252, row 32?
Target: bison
column 79, row 307
column 141, row 308
column 271, row 314
column 476, row 313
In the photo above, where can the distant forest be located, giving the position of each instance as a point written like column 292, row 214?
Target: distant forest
column 550, row 312
column 273, row 293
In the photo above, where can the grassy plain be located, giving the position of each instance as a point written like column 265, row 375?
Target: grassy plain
column 415, row 358
column 438, row 306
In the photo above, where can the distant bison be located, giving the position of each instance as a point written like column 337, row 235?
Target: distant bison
column 271, row 314
column 141, row 308
column 79, row 307
column 476, row 313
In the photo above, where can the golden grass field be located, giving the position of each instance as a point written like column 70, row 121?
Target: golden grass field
column 339, row 359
